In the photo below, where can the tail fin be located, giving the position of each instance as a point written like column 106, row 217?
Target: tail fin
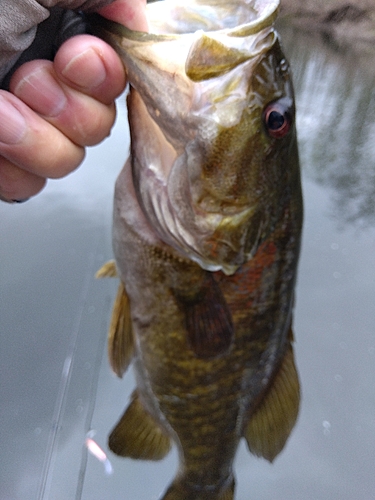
column 180, row 489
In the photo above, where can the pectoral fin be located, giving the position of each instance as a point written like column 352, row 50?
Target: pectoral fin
column 208, row 320
column 137, row 435
column 272, row 422
column 120, row 334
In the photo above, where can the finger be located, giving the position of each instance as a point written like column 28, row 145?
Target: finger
column 30, row 142
column 17, row 184
column 131, row 13
column 80, row 117
column 91, row 66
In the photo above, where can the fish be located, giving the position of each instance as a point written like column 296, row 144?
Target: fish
column 206, row 237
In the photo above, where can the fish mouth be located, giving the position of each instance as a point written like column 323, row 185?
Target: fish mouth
column 211, row 36
column 235, row 18
column 171, row 19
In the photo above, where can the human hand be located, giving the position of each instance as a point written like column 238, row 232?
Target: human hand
column 55, row 109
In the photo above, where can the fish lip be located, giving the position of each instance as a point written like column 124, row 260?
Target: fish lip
column 267, row 17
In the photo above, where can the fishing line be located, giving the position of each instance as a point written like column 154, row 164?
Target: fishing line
column 50, row 456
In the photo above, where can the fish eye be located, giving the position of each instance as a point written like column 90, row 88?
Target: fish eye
column 278, row 118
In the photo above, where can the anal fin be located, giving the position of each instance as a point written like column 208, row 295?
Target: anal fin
column 272, row 422
column 137, row 435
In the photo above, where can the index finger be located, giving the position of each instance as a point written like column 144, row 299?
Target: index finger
column 130, row 13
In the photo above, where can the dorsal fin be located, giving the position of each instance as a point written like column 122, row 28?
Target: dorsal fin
column 108, row 270
column 208, row 320
column 272, row 422
column 120, row 334
column 137, row 434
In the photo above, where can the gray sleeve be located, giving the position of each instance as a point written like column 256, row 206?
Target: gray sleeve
column 31, row 29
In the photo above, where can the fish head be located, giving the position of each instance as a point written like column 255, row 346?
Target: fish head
column 211, row 114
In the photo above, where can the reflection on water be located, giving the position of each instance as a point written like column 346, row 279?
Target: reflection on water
column 52, row 310
column 336, row 121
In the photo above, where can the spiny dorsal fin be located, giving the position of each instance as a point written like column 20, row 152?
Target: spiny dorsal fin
column 120, row 334
column 108, row 270
column 273, row 421
column 208, row 320
column 209, row 58
column 137, row 435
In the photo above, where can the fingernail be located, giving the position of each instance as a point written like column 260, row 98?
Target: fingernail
column 42, row 93
column 12, row 123
column 86, row 70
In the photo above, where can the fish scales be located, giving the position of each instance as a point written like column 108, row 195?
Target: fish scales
column 206, row 237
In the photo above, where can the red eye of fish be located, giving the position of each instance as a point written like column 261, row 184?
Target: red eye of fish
column 277, row 119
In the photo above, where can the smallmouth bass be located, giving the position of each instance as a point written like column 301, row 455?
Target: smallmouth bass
column 206, row 237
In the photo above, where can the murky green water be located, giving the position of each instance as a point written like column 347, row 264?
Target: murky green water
column 56, row 383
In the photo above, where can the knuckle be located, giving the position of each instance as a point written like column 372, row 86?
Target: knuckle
column 66, row 158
